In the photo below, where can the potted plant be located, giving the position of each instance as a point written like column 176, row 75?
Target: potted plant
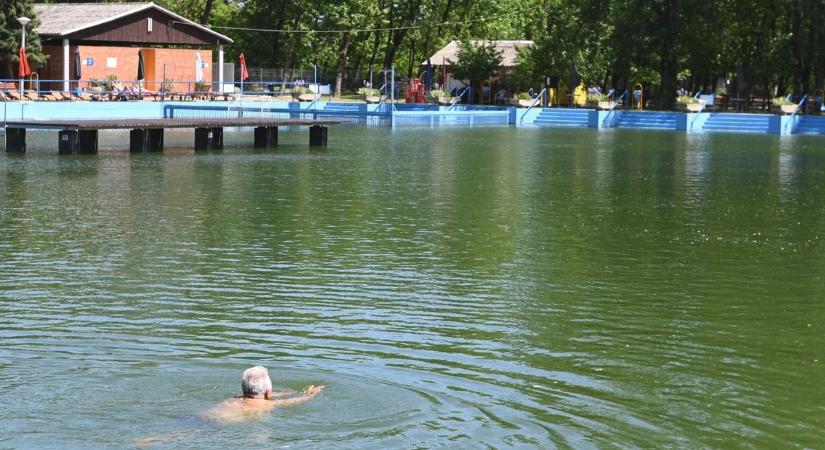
column 94, row 85
column 522, row 100
column 109, row 82
column 301, row 92
column 784, row 105
column 597, row 99
column 370, row 95
column 688, row 102
column 441, row 97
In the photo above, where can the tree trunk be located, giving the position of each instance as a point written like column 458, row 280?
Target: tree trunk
column 207, row 12
column 342, row 62
column 276, row 37
column 668, row 65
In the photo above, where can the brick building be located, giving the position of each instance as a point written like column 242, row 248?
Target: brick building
column 87, row 41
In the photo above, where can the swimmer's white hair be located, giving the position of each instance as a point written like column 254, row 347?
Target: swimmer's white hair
column 255, row 382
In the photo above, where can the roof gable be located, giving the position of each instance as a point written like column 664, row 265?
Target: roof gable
column 508, row 50
column 122, row 22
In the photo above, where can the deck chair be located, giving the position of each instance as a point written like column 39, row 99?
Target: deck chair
column 13, row 96
column 85, row 96
column 47, row 96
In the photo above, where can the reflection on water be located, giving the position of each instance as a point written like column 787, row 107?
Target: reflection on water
column 452, row 288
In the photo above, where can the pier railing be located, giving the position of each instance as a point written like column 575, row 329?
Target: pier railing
column 613, row 106
column 541, row 95
column 458, row 97
column 796, row 110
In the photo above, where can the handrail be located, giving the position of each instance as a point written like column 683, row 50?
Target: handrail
column 796, row 110
column 458, row 97
column 533, row 103
column 613, row 107
column 701, row 108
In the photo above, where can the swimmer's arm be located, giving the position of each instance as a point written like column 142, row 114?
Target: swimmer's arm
column 310, row 392
column 281, row 394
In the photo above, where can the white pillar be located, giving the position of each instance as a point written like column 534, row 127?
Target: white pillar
column 220, row 69
column 66, row 58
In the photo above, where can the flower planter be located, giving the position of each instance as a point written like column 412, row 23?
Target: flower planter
column 445, row 100
column 788, row 109
column 605, row 105
column 304, row 97
column 372, row 98
column 694, row 107
column 522, row 103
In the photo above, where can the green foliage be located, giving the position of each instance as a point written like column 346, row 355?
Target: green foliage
column 781, row 101
column 109, row 81
column 10, row 36
column 477, row 61
column 439, row 93
column 369, row 92
column 686, row 100
column 523, row 96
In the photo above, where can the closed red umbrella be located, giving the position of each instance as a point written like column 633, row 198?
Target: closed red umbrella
column 24, row 69
column 244, row 72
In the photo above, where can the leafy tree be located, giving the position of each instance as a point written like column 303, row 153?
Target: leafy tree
column 10, row 31
column 477, row 61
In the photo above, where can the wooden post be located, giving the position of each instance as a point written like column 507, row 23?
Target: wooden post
column 146, row 140
column 138, row 140
column 87, row 142
column 317, row 136
column 208, row 138
column 266, row 137
column 155, row 139
column 67, row 142
column 15, row 140
column 216, row 139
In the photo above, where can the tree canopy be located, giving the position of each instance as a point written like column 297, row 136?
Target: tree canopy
column 769, row 45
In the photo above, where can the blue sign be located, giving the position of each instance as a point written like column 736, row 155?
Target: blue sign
column 90, row 61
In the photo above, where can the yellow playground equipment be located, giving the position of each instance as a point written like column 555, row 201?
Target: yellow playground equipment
column 580, row 95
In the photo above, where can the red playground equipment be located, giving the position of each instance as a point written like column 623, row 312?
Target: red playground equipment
column 415, row 91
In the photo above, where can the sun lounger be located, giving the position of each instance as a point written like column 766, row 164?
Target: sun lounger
column 85, row 96
column 13, row 96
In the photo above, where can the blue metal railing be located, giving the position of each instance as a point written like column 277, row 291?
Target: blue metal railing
column 458, row 97
column 701, row 109
column 796, row 110
column 614, row 105
column 533, row 103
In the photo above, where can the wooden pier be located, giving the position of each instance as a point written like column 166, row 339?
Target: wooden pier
column 146, row 135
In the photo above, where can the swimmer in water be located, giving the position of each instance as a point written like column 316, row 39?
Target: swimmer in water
column 257, row 399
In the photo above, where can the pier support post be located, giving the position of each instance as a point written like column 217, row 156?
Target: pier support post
column 15, row 140
column 266, row 137
column 317, row 136
column 77, row 142
column 208, row 138
column 87, row 142
column 146, row 140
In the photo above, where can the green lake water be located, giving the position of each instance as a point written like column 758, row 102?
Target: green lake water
column 452, row 288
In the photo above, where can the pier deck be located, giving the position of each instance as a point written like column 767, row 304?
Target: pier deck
column 80, row 136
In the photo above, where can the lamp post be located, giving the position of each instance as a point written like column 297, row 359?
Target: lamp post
column 23, row 22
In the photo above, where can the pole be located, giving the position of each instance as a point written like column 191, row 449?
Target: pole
column 392, row 88
column 23, row 21
column 315, row 82
column 163, row 85
column 220, row 69
column 66, row 58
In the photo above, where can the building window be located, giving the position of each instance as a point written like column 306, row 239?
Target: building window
column 111, row 63
column 149, row 25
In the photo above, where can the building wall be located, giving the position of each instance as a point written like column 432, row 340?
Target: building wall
column 179, row 65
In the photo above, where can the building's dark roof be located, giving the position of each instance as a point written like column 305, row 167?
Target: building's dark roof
column 66, row 19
